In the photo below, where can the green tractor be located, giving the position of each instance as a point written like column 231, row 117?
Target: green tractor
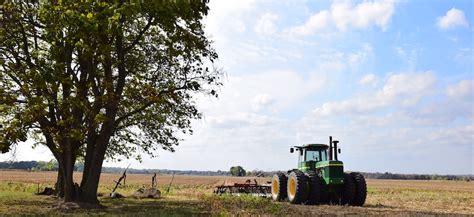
column 319, row 179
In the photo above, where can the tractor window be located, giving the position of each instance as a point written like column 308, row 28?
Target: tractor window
column 312, row 155
column 324, row 155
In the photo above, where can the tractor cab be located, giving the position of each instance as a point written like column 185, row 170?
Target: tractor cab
column 309, row 155
column 321, row 159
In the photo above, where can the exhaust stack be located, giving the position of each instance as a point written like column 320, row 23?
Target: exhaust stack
column 330, row 147
column 335, row 149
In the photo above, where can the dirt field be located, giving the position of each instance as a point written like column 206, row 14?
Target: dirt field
column 192, row 195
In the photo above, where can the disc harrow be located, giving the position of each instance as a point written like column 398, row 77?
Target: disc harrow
column 248, row 187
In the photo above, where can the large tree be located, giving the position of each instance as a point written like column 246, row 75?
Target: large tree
column 97, row 79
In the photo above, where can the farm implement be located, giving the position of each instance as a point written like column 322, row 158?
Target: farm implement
column 249, row 187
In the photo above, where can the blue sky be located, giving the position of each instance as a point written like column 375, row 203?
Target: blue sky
column 392, row 80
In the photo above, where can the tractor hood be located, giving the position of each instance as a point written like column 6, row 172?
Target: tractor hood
column 331, row 171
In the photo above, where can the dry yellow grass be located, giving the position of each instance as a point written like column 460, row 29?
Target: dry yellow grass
column 384, row 196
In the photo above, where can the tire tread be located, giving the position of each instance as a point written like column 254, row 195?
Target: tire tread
column 361, row 189
column 302, row 190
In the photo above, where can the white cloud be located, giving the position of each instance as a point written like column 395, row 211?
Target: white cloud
column 227, row 17
column 452, row 19
column 261, row 101
column 441, row 113
column 279, row 89
column 465, row 55
column 462, row 134
column 464, row 89
column 344, row 15
column 357, row 58
column 368, row 79
column 408, row 54
column 265, row 24
column 363, row 15
column 410, row 85
column 388, row 126
column 402, row 89
column 315, row 23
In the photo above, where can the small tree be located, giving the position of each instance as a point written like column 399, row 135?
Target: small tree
column 97, row 79
column 237, row 171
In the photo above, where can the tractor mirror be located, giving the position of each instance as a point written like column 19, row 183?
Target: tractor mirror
column 292, row 150
column 339, row 150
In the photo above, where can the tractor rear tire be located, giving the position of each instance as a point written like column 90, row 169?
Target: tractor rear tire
column 279, row 181
column 361, row 189
column 316, row 190
column 349, row 191
column 298, row 187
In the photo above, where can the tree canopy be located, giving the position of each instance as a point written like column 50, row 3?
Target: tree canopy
column 90, row 79
column 237, row 171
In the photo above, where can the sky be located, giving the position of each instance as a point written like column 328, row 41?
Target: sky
column 393, row 81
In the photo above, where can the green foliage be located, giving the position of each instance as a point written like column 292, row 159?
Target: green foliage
column 237, row 171
column 73, row 73
column 51, row 165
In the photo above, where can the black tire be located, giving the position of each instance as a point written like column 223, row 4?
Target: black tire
column 316, row 190
column 279, row 187
column 349, row 190
column 361, row 189
column 298, row 187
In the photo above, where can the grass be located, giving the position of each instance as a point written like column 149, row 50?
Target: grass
column 192, row 196
column 424, row 200
column 242, row 205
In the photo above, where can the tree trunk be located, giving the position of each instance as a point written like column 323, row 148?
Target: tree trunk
column 95, row 155
column 59, row 186
column 90, row 186
column 91, row 178
column 70, row 192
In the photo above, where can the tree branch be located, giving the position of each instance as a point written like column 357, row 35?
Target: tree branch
column 140, row 34
column 147, row 105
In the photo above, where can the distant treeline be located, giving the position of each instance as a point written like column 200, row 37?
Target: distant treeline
column 416, row 176
column 30, row 165
column 164, row 171
column 53, row 166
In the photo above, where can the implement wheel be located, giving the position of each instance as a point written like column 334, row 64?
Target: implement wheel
column 279, row 181
column 298, row 187
column 361, row 189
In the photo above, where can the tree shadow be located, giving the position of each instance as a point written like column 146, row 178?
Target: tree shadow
column 150, row 207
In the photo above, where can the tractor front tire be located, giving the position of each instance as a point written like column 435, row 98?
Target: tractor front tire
column 298, row 187
column 349, row 191
column 361, row 189
column 316, row 190
column 279, row 181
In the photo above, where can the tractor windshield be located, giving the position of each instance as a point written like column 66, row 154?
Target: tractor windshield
column 316, row 155
column 312, row 155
